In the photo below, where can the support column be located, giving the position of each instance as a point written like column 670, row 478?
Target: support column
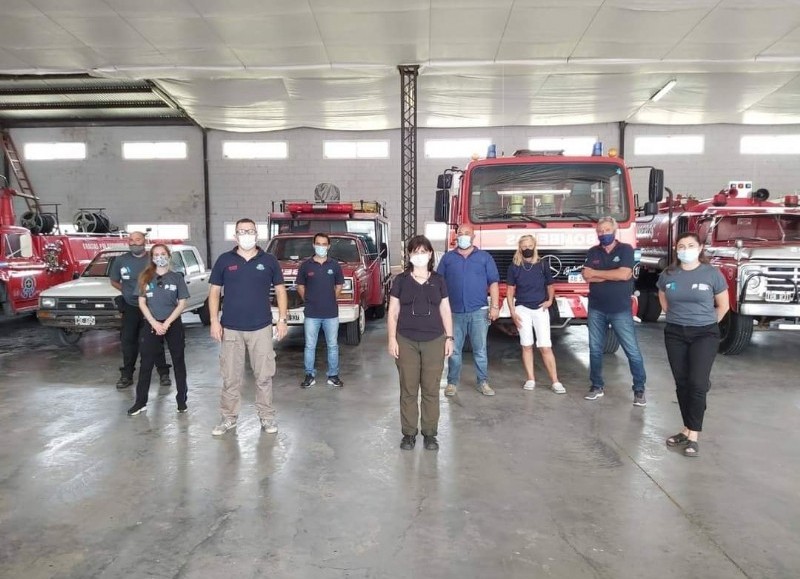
column 408, row 152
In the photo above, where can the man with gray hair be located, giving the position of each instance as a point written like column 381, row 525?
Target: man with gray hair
column 609, row 271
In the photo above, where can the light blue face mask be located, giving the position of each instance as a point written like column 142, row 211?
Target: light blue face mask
column 321, row 250
column 464, row 241
column 161, row 260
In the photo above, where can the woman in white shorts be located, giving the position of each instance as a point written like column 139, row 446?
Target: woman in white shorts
column 530, row 295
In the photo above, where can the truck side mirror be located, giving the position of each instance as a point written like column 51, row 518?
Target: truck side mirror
column 384, row 251
column 441, row 207
column 651, row 208
column 656, row 188
column 444, row 181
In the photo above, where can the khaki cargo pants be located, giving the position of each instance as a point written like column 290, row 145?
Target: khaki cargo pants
column 258, row 344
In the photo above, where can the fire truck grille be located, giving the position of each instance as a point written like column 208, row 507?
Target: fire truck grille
column 98, row 304
column 291, row 294
column 561, row 263
column 783, row 279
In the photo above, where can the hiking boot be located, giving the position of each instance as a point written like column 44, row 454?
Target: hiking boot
column 335, row 381
column 408, row 442
column 450, row 390
column 269, row 426
column 224, row 426
column 431, row 443
column 639, row 399
column 308, row 381
column 594, row 393
column 485, row 389
column 136, row 409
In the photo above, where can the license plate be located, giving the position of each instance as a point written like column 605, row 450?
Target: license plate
column 84, row 320
column 779, row 296
column 575, row 277
column 293, row 317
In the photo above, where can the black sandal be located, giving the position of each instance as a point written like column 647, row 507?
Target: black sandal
column 677, row 439
column 692, row 449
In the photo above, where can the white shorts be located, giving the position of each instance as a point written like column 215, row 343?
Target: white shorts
column 537, row 321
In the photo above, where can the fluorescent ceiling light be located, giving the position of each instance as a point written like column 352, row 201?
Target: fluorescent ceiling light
column 664, row 90
column 537, row 192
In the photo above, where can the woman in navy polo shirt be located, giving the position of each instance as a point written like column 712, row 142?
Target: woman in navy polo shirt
column 529, row 296
column 162, row 298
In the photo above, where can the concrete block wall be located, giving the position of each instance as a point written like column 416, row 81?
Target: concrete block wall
column 173, row 190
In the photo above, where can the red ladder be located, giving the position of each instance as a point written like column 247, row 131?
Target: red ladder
column 26, row 190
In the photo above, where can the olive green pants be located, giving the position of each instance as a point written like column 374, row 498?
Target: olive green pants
column 420, row 367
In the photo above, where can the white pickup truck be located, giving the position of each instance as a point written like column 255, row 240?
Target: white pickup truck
column 89, row 302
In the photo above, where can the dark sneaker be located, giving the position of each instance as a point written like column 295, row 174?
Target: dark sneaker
column 136, row 409
column 163, row 380
column 124, row 382
column 594, row 393
column 431, row 443
column 308, row 381
column 335, row 381
column 408, row 442
column 639, row 399
column 182, row 408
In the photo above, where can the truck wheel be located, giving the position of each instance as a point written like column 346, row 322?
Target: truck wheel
column 355, row 329
column 68, row 337
column 611, row 343
column 649, row 306
column 735, row 332
column 377, row 312
column 205, row 314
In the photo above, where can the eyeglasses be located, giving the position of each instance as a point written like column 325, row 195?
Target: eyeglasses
column 245, row 232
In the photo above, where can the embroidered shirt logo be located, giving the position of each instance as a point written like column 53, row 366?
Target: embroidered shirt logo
column 260, row 267
column 616, row 259
column 703, row 287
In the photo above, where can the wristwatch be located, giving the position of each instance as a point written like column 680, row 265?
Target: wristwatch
column 495, row 307
column 449, row 338
column 282, row 321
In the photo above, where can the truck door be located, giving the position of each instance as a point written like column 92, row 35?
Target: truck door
column 196, row 278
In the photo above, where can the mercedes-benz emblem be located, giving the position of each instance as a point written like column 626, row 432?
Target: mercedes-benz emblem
column 554, row 263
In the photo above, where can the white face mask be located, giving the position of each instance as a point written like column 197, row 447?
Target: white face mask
column 247, row 242
column 464, row 241
column 161, row 260
column 689, row 255
column 421, row 259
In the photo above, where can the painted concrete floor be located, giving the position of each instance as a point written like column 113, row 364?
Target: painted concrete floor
column 526, row 484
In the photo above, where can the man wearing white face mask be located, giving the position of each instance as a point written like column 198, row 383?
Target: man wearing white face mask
column 469, row 272
column 247, row 273
column 319, row 283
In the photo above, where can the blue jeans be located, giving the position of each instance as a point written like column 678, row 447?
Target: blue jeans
column 330, row 326
column 476, row 324
column 623, row 326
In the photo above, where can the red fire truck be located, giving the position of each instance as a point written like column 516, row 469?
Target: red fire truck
column 366, row 219
column 754, row 242
column 556, row 198
column 31, row 263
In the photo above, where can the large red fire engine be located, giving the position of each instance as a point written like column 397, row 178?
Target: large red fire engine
column 558, row 199
column 32, row 262
column 754, row 242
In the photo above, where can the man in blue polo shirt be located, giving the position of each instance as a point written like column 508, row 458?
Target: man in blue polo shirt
column 609, row 271
column 469, row 272
column 247, row 273
column 319, row 283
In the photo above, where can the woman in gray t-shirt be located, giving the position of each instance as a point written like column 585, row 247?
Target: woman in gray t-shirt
column 694, row 295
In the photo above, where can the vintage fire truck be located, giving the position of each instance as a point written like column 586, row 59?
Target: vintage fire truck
column 36, row 257
column 556, row 198
column 753, row 241
column 365, row 219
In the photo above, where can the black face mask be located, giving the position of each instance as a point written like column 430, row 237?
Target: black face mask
column 527, row 253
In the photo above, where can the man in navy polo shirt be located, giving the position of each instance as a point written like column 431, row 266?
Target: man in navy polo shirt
column 609, row 271
column 319, row 283
column 469, row 272
column 247, row 273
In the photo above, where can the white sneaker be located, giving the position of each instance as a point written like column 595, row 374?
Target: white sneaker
column 558, row 388
column 450, row 390
column 529, row 385
column 485, row 389
column 269, row 426
column 224, row 427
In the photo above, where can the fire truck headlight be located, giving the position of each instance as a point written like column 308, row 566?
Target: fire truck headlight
column 47, row 302
column 348, row 285
column 756, row 283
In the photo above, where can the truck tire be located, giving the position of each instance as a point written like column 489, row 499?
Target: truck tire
column 735, row 333
column 68, row 337
column 611, row 343
column 204, row 313
column 355, row 329
column 377, row 312
column 649, row 306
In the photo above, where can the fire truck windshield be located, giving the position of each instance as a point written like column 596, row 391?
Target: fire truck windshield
column 363, row 228
column 547, row 192
column 757, row 227
column 301, row 248
column 100, row 266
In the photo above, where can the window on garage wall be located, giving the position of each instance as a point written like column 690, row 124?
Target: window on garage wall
column 255, row 149
column 572, row 146
column 161, row 230
column 770, row 145
column 54, row 151
column 456, row 148
column 262, row 227
column 154, row 150
column 355, row 149
column 669, row 145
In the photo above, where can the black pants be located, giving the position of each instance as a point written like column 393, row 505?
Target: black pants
column 132, row 324
column 691, row 351
column 152, row 346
